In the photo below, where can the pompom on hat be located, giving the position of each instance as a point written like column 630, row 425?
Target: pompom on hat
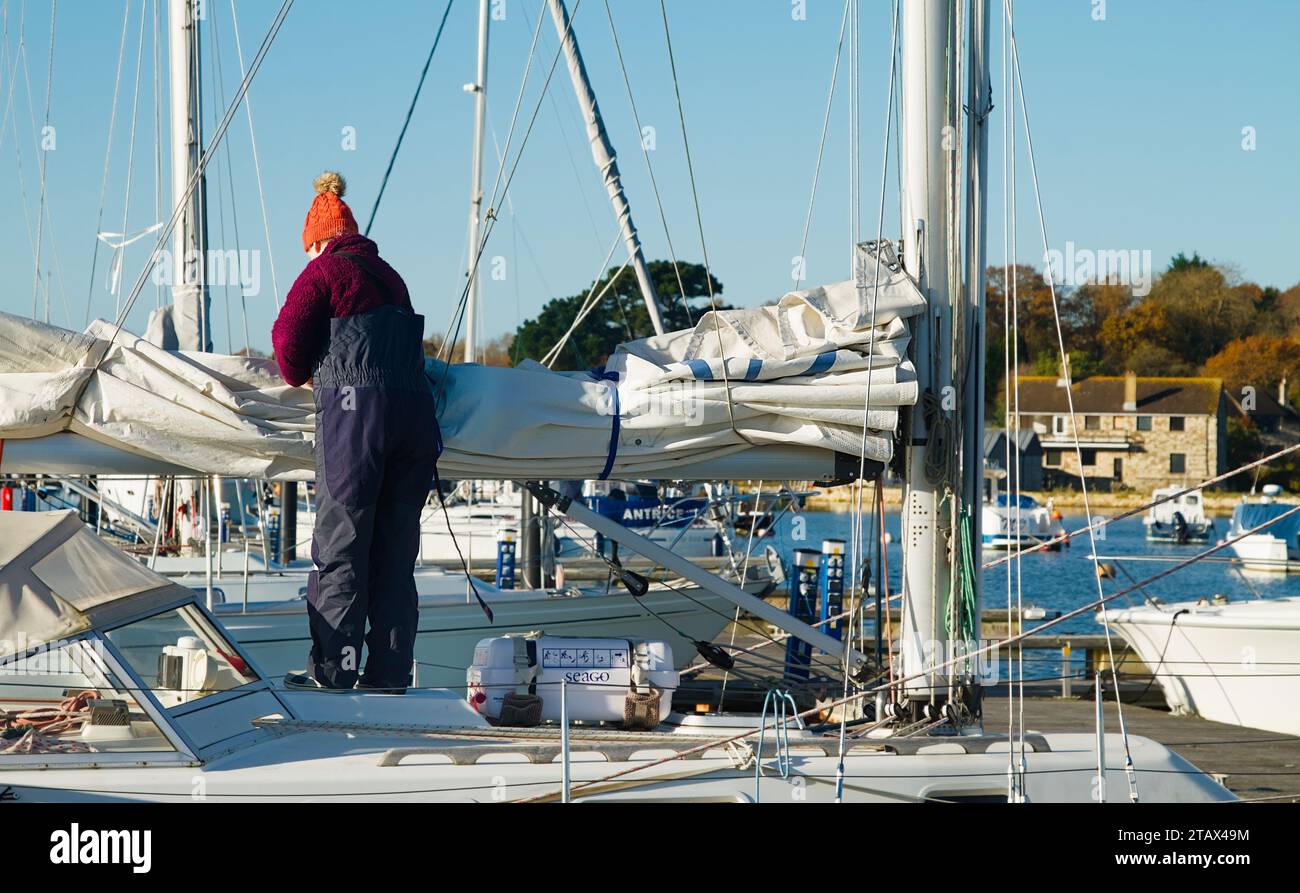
column 329, row 216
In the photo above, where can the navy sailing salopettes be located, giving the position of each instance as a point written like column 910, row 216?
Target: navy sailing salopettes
column 377, row 445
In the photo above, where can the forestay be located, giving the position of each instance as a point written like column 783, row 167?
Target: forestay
column 795, row 373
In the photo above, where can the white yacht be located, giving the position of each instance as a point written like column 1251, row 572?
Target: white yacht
column 1180, row 519
column 1275, row 548
column 1015, row 521
column 1227, row 661
column 118, row 685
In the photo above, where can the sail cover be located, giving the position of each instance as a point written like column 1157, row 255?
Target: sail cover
column 805, row 371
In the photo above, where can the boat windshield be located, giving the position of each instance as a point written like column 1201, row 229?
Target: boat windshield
column 63, row 698
column 181, row 656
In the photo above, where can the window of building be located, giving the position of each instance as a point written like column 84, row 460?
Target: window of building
column 1089, row 458
column 1144, row 423
column 1058, row 424
column 1118, row 470
column 1052, row 458
column 1176, row 423
column 1092, row 423
column 1177, row 463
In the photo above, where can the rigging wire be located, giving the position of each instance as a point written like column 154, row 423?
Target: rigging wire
column 227, row 175
column 744, row 574
column 204, row 159
column 218, row 75
column 383, row 184
column 699, row 221
column 857, row 525
column 119, row 252
column 157, row 140
column 1069, row 392
column 48, row 215
column 1011, row 353
column 589, row 303
column 257, row 163
column 821, row 148
column 108, row 155
column 645, row 153
column 562, row 125
column 20, row 53
column 475, row 252
column 44, row 150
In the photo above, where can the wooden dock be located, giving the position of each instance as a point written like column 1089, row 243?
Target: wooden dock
column 1253, row 764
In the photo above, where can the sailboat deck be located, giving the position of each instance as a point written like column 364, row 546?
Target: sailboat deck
column 467, row 746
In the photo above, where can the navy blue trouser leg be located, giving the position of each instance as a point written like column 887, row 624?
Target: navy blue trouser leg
column 349, row 475
column 338, row 590
column 375, row 461
column 394, row 613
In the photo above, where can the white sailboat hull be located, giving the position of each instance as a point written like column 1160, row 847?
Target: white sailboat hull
column 1231, row 663
column 390, row 765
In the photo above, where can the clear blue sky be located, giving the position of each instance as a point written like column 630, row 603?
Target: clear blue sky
column 1137, row 121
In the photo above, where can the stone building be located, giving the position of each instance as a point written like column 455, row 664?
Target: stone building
column 1132, row 431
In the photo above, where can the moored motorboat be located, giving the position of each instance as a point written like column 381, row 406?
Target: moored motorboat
column 1180, row 518
column 1276, row 547
column 1019, row 522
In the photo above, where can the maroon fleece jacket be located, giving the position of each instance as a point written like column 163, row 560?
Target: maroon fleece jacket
column 330, row 287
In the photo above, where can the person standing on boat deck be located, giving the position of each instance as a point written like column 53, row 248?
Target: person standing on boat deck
column 348, row 328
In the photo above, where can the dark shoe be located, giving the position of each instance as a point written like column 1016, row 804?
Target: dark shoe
column 362, row 685
column 304, row 682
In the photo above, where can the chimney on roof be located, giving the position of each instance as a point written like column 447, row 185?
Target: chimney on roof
column 1063, row 381
column 1130, row 391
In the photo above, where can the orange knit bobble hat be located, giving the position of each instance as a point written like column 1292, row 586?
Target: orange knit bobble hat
column 329, row 216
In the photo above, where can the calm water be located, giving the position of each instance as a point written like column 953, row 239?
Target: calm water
column 1061, row 581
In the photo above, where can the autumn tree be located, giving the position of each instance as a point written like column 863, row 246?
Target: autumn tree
column 1287, row 307
column 1258, row 361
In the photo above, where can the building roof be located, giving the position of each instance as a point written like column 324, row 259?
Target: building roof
column 1027, row 439
column 1105, row 394
column 1265, row 405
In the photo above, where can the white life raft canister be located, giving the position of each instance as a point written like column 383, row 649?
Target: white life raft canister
column 598, row 674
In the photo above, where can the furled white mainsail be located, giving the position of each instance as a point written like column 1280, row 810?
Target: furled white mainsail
column 797, row 373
